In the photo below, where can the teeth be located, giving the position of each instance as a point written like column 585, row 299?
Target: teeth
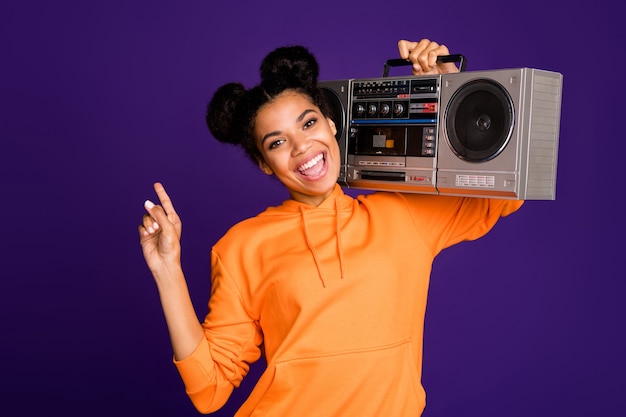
column 311, row 163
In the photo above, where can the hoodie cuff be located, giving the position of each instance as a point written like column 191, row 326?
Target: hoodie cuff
column 193, row 369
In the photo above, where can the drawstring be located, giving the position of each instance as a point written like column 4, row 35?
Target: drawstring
column 338, row 233
column 311, row 248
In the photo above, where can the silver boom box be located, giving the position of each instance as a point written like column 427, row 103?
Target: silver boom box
column 483, row 133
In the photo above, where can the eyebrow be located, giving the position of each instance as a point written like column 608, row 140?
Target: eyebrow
column 278, row 132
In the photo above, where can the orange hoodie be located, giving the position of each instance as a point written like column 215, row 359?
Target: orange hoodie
column 337, row 296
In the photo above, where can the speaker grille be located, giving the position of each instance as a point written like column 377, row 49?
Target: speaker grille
column 337, row 112
column 479, row 120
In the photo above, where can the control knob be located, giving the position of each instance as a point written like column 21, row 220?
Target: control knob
column 398, row 109
column 372, row 109
column 359, row 110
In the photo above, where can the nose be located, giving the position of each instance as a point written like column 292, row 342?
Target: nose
column 300, row 143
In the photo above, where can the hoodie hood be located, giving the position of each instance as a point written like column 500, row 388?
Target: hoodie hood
column 335, row 204
column 345, row 203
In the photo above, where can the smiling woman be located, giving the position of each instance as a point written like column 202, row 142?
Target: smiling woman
column 331, row 289
column 301, row 149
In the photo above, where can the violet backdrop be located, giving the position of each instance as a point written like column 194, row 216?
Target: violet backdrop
column 99, row 100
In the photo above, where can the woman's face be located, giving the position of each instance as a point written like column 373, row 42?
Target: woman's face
column 298, row 145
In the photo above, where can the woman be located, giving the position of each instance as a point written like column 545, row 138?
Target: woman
column 331, row 289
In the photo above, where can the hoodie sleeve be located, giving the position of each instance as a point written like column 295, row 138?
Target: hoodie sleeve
column 444, row 220
column 231, row 344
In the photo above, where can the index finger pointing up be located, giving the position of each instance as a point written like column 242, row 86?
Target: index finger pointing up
column 165, row 200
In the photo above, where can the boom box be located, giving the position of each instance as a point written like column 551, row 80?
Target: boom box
column 482, row 133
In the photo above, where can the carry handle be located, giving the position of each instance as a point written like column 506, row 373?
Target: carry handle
column 398, row 62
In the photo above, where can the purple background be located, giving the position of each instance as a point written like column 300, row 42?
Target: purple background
column 100, row 99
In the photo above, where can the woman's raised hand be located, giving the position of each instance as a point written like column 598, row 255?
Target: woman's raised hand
column 160, row 231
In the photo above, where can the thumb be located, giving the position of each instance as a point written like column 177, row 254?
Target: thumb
column 158, row 215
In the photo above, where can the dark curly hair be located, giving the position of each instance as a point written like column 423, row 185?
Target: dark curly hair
column 232, row 111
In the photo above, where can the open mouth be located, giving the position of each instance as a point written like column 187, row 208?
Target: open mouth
column 313, row 166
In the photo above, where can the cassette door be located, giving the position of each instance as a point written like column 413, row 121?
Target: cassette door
column 499, row 133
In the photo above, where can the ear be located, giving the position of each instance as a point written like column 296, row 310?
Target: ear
column 332, row 125
column 265, row 168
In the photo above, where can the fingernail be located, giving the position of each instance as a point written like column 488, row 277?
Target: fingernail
column 148, row 204
column 150, row 230
column 155, row 225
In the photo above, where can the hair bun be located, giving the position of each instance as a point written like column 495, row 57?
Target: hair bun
column 221, row 112
column 289, row 67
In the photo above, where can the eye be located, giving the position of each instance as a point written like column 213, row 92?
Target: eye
column 274, row 144
column 310, row 122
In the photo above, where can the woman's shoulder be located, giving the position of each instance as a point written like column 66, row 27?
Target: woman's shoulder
column 253, row 228
column 395, row 198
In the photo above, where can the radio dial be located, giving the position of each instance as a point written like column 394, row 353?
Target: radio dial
column 372, row 109
column 359, row 110
column 398, row 109
column 384, row 109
